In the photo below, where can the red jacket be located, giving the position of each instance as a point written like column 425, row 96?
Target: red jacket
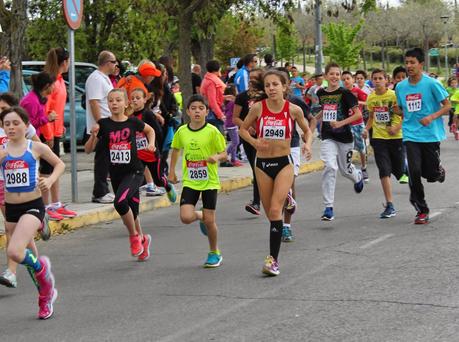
column 212, row 88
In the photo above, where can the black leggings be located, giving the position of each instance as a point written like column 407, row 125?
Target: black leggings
column 157, row 172
column 126, row 190
column 251, row 153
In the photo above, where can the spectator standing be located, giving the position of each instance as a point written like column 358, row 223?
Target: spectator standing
column 241, row 79
column 98, row 85
column 196, row 79
column 57, row 63
column 297, row 83
column 269, row 61
column 212, row 88
column 5, row 67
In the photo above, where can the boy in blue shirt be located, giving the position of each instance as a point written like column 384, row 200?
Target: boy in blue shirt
column 297, row 83
column 423, row 101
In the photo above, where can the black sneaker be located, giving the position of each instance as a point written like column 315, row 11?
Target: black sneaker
column 253, row 208
column 442, row 175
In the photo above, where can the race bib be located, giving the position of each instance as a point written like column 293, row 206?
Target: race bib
column 414, row 102
column 16, row 173
column 274, row 132
column 329, row 112
column 141, row 141
column 197, row 170
column 382, row 114
column 120, row 153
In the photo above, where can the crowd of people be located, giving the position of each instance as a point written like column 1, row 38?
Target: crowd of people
column 268, row 116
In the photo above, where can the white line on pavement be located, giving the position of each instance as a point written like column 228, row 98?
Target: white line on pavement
column 435, row 214
column 378, row 240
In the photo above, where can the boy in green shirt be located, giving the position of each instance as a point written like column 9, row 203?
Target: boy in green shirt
column 386, row 120
column 203, row 147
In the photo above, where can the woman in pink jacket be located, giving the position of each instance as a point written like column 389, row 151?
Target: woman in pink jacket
column 212, row 88
column 35, row 101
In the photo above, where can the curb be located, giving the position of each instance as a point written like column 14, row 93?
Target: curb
column 108, row 213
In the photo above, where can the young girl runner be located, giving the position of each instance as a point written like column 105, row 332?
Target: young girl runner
column 116, row 136
column 24, row 207
column 8, row 277
column 150, row 159
column 275, row 118
column 203, row 147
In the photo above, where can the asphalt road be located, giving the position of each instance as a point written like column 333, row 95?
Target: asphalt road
column 358, row 278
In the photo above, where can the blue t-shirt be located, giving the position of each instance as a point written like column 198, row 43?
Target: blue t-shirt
column 241, row 80
column 418, row 101
column 296, row 91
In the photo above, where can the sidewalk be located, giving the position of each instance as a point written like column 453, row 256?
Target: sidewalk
column 232, row 178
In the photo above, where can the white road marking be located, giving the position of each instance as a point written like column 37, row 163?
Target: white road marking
column 378, row 240
column 435, row 214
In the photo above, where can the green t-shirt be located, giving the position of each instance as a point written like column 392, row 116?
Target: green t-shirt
column 198, row 145
column 455, row 101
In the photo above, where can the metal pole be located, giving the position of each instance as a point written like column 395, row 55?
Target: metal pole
column 73, row 139
column 318, row 48
column 446, row 52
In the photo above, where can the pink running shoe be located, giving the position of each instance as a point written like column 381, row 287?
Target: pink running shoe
column 270, row 267
column 53, row 215
column 136, row 245
column 64, row 212
column 146, row 248
column 46, row 305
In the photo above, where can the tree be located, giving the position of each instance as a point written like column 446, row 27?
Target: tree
column 342, row 46
column 13, row 20
column 236, row 37
column 304, row 24
column 287, row 46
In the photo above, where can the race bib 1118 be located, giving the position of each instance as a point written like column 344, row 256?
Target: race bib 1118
column 329, row 112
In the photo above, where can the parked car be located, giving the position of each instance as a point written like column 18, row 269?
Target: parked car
column 79, row 111
column 82, row 70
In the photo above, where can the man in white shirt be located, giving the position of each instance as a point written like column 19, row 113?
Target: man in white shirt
column 98, row 85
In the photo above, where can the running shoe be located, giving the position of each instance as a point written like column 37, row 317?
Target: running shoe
column 44, row 231
column 271, row 267
column 106, row 199
column 388, row 212
column 8, row 279
column 442, row 175
column 421, row 218
column 46, row 305
column 53, row 215
column 214, row 259
column 287, row 235
column 67, row 213
column 253, row 208
column 456, row 135
column 366, row 179
column 291, row 203
column 358, row 187
column 136, row 245
column 404, row 179
column 153, row 190
column 146, row 248
column 226, row 164
column 237, row 163
column 203, row 228
column 172, row 194
column 328, row 214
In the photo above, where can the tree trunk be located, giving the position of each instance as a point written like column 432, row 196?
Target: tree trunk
column 383, row 59
column 364, row 60
column 17, row 33
column 304, row 55
column 184, row 55
column 426, row 53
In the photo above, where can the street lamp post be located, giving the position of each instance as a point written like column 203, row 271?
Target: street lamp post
column 445, row 22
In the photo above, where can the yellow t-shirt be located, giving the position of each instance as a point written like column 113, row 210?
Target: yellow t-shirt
column 455, row 101
column 381, row 108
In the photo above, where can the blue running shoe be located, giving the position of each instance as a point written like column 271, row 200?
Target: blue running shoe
column 328, row 214
column 287, row 235
column 172, row 194
column 358, row 187
column 214, row 259
column 388, row 212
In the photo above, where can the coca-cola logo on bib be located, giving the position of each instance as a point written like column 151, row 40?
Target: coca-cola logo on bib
column 196, row 164
column 120, row 146
column 16, row 164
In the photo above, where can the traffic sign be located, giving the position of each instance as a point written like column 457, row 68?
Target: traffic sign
column 73, row 12
column 434, row 53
